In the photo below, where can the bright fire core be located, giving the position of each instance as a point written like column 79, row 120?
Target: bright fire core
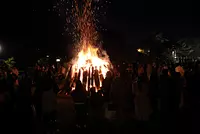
column 90, row 68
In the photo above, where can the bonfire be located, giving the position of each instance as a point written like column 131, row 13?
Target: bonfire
column 91, row 63
column 90, row 68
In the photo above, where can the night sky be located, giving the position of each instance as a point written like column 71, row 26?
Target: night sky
column 26, row 27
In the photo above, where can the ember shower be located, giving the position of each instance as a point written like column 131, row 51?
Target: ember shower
column 91, row 63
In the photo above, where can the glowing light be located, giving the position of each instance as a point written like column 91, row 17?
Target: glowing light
column 174, row 54
column 140, row 50
column 57, row 60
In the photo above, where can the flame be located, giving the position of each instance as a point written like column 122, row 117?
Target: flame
column 91, row 64
column 88, row 61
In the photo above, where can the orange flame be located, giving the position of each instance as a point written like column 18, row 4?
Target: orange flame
column 88, row 60
column 88, row 66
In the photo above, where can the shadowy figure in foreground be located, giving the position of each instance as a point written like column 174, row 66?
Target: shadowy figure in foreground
column 80, row 100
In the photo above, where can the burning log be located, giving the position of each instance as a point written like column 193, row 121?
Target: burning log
column 89, row 77
column 79, row 75
column 96, row 78
column 89, row 68
column 85, row 74
column 92, row 75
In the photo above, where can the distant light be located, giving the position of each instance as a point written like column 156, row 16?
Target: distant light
column 57, row 60
column 47, row 56
column 140, row 50
column 174, row 54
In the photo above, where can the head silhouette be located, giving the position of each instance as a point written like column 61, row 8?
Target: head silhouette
column 122, row 70
column 165, row 72
column 79, row 85
column 177, row 75
column 108, row 74
column 92, row 90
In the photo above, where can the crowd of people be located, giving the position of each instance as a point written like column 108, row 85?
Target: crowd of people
column 146, row 93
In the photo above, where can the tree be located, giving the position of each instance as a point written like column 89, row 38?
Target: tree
column 184, row 49
column 163, row 47
column 10, row 62
column 7, row 64
column 158, row 44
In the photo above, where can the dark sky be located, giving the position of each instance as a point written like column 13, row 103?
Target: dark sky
column 28, row 25
column 136, row 21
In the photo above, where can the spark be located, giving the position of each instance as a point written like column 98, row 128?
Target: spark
column 82, row 21
column 68, row 11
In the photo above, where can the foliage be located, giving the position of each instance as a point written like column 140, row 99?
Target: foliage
column 7, row 64
column 162, row 46
column 157, row 44
column 184, row 49
column 10, row 62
